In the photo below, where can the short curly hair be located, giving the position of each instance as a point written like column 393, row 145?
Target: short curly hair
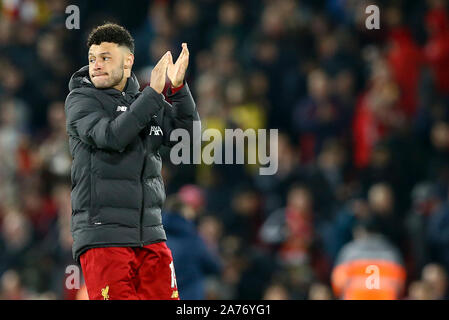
column 111, row 32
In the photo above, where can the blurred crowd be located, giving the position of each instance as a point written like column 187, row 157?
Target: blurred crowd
column 363, row 134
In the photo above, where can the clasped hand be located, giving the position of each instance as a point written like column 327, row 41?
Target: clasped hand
column 166, row 68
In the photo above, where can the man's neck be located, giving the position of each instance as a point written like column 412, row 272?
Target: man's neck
column 121, row 86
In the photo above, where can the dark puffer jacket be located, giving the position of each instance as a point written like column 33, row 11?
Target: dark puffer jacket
column 114, row 137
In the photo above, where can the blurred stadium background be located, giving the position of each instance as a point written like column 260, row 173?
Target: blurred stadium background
column 363, row 132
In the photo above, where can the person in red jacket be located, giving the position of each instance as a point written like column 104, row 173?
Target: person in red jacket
column 405, row 59
column 436, row 49
column 376, row 112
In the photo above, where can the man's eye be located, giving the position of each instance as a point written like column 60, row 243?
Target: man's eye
column 106, row 58
column 91, row 60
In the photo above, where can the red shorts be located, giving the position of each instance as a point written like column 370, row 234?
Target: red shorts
column 130, row 273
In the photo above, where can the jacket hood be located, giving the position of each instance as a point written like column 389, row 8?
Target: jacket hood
column 81, row 79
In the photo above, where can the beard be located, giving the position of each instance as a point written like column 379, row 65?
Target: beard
column 114, row 78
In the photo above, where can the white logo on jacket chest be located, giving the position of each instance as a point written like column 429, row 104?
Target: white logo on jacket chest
column 121, row 108
column 156, row 130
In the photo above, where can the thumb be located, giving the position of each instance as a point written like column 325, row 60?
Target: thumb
column 169, row 58
column 185, row 50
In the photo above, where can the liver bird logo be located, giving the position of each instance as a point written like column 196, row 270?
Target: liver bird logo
column 105, row 293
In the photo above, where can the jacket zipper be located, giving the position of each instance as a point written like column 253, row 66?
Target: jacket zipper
column 143, row 190
column 142, row 182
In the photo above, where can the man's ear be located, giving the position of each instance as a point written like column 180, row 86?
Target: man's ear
column 128, row 64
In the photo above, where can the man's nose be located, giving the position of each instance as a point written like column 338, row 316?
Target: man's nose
column 98, row 65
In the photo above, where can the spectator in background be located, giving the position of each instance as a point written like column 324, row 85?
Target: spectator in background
column 369, row 248
column 276, row 291
column 274, row 187
column 347, row 217
column 291, row 228
column 316, row 117
column 53, row 62
column 436, row 49
column 158, row 45
column 405, row 59
column 438, row 235
column 187, row 18
column 326, row 178
column 382, row 206
column 210, row 229
column 230, row 21
column 11, row 287
column 243, row 220
column 12, row 80
column 320, row 291
column 147, row 31
column 13, row 123
column 344, row 84
column 436, row 277
column 438, row 156
column 425, row 202
column 419, row 290
column 56, row 247
column 39, row 208
column 233, row 265
column 53, row 153
column 376, row 113
column 195, row 259
column 16, row 240
column 292, row 234
column 255, row 269
column 380, row 168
